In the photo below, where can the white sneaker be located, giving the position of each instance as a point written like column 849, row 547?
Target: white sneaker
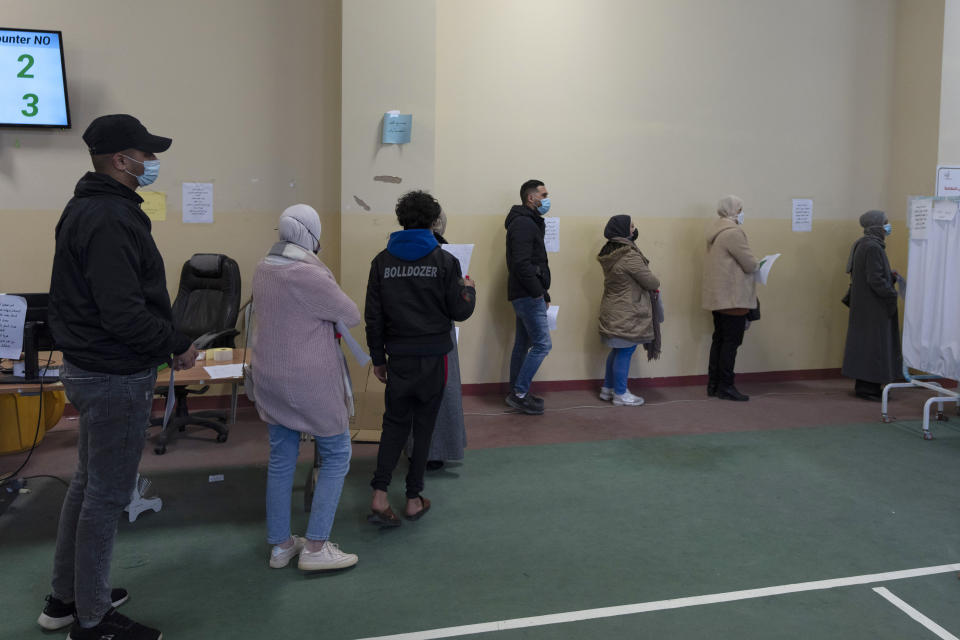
column 279, row 558
column 606, row 393
column 627, row 400
column 327, row 559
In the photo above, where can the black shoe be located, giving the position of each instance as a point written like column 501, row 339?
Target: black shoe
column 58, row 614
column 536, row 399
column 869, row 396
column 433, row 465
column 525, row 404
column 711, row 389
column 114, row 626
column 731, row 393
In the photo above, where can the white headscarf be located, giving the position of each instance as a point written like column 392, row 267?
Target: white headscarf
column 729, row 206
column 300, row 224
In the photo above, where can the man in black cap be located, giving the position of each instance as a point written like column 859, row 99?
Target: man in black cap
column 110, row 315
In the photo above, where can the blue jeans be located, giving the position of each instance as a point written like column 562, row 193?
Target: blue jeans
column 114, row 416
column 532, row 342
column 618, row 368
column 334, row 454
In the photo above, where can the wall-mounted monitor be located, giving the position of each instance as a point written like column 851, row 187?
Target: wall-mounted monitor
column 33, row 79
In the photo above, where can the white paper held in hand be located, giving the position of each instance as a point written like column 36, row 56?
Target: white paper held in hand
column 765, row 265
column 461, row 252
column 552, row 312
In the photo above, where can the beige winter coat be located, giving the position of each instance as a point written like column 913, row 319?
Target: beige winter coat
column 728, row 280
column 626, row 310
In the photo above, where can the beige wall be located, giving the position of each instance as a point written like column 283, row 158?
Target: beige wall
column 249, row 92
column 653, row 108
column 949, row 148
column 656, row 109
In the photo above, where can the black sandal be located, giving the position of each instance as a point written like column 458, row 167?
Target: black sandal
column 386, row 518
column 419, row 514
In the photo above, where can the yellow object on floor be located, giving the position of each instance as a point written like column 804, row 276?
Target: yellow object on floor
column 18, row 419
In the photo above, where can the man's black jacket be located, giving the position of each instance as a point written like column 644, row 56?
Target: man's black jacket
column 109, row 307
column 528, row 271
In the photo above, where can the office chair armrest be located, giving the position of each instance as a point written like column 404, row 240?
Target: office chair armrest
column 215, row 338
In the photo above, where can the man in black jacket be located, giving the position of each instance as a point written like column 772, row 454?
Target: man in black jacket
column 528, row 283
column 110, row 315
column 414, row 291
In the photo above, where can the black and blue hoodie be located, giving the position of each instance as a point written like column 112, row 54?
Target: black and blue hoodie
column 415, row 290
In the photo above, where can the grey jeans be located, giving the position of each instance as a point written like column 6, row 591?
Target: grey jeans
column 114, row 415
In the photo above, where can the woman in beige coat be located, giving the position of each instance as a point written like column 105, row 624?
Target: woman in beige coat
column 730, row 292
column 626, row 311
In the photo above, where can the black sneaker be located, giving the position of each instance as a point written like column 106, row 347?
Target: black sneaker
column 114, row 626
column 525, row 404
column 712, row 389
column 58, row 614
column 731, row 393
column 536, row 399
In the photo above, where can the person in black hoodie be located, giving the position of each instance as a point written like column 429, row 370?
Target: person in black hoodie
column 528, row 285
column 415, row 290
column 110, row 315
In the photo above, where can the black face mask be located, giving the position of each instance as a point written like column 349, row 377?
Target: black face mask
column 636, row 234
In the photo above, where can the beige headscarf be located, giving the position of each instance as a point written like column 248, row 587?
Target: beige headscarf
column 729, row 206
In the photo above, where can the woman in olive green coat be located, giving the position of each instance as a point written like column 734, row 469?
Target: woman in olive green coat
column 626, row 311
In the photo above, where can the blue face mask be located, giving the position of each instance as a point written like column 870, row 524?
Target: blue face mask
column 151, row 169
column 544, row 206
column 888, row 228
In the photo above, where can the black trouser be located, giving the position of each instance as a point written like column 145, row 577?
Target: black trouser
column 414, row 392
column 727, row 337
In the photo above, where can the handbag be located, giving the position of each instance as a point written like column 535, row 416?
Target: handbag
column 754, row 314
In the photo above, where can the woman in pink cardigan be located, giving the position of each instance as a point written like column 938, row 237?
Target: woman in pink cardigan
column 299, row 382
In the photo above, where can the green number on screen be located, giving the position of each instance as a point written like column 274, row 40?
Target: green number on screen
column 32, row 101
column 23, row 72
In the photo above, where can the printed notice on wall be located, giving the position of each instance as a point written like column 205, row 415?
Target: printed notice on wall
column 948, row 180
column 13, row 314
column 920, row 218
column 802, row 214
column 944, row 210
column 198, row 202
column 154, row 205
column 551, row 237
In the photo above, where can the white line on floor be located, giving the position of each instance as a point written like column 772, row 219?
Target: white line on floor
column 660, row 605
column 916, row 615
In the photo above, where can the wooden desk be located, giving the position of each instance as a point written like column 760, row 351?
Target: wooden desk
column 194, row 376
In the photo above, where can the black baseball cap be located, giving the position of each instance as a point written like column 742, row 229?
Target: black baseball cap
column 109, row 134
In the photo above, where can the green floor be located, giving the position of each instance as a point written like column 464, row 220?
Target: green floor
column 537, row 530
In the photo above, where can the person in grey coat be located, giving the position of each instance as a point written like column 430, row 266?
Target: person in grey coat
column 450, row 433
column 872, row 356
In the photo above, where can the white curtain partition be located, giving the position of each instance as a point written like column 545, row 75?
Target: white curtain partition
column 931, row 327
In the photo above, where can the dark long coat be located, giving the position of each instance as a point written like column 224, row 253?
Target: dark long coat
column 873, row 349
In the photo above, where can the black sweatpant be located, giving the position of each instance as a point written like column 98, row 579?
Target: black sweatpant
column 727, row 338
column 412, row 398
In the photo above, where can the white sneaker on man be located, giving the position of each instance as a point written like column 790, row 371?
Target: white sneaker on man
column 280, row 557
column 606, row 393
column 627, row 400
column 328, row 558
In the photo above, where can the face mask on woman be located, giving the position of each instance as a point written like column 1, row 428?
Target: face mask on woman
column 740, row 218
column 888, row 228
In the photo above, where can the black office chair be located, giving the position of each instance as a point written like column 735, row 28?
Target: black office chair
column 206, row 310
